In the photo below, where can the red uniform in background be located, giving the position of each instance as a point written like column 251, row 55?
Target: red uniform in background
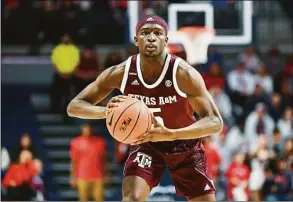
column 89, row 154
column 12, row 3
column 214, row 159
column 20, row 174
column 241, row 172
column 211, row 81
column 121, row 152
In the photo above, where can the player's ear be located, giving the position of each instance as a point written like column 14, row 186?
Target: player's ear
column 166, row 41
column 135, row 41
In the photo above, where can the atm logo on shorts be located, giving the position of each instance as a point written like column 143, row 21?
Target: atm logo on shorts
column 143, row 160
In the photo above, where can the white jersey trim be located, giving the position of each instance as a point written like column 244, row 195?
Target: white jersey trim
column 160, row 79
column 125, row 75
column 176, row 64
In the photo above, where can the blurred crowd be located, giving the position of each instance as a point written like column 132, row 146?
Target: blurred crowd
column 252, row 159
column 44, row 22
column 21, row 172
column 35, row 23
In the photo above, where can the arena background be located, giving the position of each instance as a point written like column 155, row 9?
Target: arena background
column 32, row 29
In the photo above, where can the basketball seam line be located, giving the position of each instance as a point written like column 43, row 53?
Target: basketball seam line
column 120, row 117
column 133, row 126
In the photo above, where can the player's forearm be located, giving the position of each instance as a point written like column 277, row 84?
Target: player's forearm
column 202, row 128
column 85, row 110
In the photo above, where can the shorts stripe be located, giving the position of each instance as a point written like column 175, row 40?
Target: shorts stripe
column 211, row 181
column 128, row 158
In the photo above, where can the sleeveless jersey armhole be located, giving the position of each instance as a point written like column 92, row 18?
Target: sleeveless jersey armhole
column 176, row 64
column 125, row 75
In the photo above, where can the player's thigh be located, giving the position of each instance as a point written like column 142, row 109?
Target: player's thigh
column 192, row 183
column 190, row 174
column 143, row 170
column 207, row 197
column 135, row 188
column 98, row 190
column 83, row 188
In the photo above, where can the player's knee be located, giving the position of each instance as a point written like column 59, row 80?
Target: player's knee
column 133, row 197
column 135, row 189
column 133, row 194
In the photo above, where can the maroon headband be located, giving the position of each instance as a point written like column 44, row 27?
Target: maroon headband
column 151, row 19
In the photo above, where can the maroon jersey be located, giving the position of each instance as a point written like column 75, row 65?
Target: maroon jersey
column 164, row 99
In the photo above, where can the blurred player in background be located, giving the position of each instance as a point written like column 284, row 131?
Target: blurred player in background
column 88, row 163
column 65, row 59
column 238, row 176
column 174, row 142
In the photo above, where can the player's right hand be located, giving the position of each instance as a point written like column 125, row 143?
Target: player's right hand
column 114, row 101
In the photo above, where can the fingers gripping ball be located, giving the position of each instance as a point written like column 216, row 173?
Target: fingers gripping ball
column 129, row 120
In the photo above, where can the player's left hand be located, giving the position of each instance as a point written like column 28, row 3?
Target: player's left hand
column 157, row 133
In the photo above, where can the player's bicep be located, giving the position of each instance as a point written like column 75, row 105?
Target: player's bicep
column 192, row 84
column 106, row 82
column 203, row 105
column 93, row 93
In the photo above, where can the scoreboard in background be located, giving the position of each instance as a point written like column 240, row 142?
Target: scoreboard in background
column 232, row 19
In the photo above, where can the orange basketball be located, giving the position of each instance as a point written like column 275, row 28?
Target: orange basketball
column 129, row 120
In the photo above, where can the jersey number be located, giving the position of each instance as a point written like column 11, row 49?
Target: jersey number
column 158, row 118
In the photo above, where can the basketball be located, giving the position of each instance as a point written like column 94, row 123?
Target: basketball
column 129, row 120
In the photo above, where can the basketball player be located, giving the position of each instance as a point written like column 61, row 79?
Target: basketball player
column 173, row 90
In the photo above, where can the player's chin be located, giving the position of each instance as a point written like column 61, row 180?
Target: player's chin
column 151, row 54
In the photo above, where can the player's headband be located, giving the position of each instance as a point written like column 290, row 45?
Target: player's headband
column 151, row 19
